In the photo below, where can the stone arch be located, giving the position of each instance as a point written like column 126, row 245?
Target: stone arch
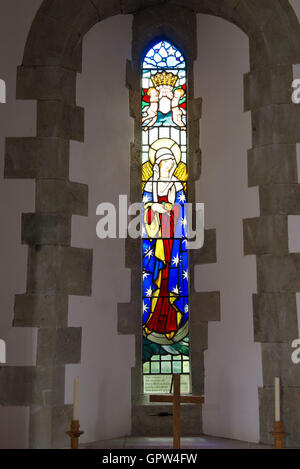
column 51, row 60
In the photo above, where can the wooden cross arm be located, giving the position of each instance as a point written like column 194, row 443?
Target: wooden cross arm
column 161, row 398
column 183, row 399
column 192, row 399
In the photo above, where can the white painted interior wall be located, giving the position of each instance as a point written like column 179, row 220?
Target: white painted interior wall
column 233, row 364
column 232, row 361
column 103, row 162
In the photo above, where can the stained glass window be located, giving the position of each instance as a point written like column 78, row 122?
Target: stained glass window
column 165, row 269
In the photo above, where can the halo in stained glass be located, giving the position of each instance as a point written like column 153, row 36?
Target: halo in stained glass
column 163, row 55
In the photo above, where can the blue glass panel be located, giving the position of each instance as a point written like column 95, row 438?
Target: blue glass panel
column 165, row 267
column 163, row 55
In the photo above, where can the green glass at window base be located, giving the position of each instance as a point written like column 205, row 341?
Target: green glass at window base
column 177, row 357
column 186, row 367
column 166, row 367
column 177, row 367
column 155, row 358
column 154, row 367
column 166, row 357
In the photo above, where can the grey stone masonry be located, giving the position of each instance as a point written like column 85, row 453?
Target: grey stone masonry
column 275, row 317
column 52, row 56
column 55, row 269
column 51, row 83
column 156, row 420
column 266, row 235
column 46, row 228
column 36, row 158
column 57, row 119
column 41, row 310
column 272, row 166
column 290, row 414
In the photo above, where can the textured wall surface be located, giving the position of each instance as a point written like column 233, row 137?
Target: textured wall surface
column 103, row 162
column 58, row 269
column 232, row 360
column 16, row 196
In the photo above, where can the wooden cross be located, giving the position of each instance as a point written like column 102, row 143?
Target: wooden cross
column 177, row 399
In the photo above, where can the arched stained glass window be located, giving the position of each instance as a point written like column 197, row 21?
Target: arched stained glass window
column 165, row 271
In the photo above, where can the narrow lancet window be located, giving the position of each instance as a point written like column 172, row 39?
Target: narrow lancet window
column 165, row 271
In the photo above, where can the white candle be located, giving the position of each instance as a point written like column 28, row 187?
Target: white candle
column 75, row 402
column 277, row 399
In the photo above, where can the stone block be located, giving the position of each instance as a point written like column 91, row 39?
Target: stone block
column 213, row 7
column 272, row 164
column 42, row 228
column 77, row 270
column 132, row 76
column 258, row 50
column 156, row 420
column 277, row 27
column 197, row 369
column 276, row 361
column 28, row 386
column 280, row 199
column 195, row 108
column 107, row 9
column 205, row 306
column 135, row 109
column 282, row 37
column 58, row 196
column 137, row 395
column 194, row 134
column 207, row 254
column 135, row 173
column 195, row 165
column 135, row 282
column 48, row 427
column 134, row 6
column 290, row 415
column 56, row 119
column 59, row 346
column 245, row 18
column 266, row 414
column 40, row 311
column 47, row 83
column 133, row 250
column 31, row 157
column 129, row 319
column 198, row 334
column 191, row 191
column 49, row 386
column 177, row 23
column 277, row 123
column 17, row 385
column 278, row 273
column 268, row 85
column 266, row 235
column 61, row 10
column 275, row 317
column 57, row 31
column 55, row 270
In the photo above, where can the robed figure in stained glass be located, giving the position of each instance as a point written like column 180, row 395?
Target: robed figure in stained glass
column 165, row 261
column 165, row 296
